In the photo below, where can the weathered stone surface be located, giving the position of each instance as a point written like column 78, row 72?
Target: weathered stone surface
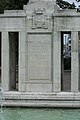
column 39, row 99
column 39, row 26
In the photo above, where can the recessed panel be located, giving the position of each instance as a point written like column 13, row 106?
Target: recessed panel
column 39, row 57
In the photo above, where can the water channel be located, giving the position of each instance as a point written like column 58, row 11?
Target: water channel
column 40, row 114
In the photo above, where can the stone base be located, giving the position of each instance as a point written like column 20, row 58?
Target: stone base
column 29, row 99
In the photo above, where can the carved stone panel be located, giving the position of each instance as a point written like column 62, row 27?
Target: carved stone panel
column 39, row 57
column 39, row 19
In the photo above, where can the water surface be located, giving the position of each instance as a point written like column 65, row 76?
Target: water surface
column 40, row 114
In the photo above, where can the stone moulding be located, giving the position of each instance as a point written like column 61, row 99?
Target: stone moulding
column 33, row 99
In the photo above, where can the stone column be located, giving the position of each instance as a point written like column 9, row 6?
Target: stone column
column 5, row 61
column 56, row 61
column 74, row 62
column 22, row 61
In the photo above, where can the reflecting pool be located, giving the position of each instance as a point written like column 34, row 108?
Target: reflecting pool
column 40, row 114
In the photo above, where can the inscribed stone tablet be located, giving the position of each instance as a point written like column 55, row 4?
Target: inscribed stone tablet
column 39, row 56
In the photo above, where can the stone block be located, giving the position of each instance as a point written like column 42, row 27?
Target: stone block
column 38, row 87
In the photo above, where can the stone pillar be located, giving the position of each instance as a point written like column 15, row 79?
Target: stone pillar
column 5, row 61
column 74, row 62
column 56, row 61
column 22, row 61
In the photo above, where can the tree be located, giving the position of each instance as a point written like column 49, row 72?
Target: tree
column 78, row 9
column 12, row 4
column 65, row 5
column 78, row 0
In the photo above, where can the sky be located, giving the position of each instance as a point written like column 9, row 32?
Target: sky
column 71, row 1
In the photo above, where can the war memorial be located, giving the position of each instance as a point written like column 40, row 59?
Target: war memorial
column 36, row 78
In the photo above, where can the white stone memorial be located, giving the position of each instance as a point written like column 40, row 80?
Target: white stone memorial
column 38, row 28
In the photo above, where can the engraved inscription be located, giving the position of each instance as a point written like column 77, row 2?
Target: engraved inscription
column 39, row 55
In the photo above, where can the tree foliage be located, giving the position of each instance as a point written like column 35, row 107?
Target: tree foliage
column 12, row 4
column 78, row 0
column 65, row 5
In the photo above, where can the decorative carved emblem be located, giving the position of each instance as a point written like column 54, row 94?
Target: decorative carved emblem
column 39, row 19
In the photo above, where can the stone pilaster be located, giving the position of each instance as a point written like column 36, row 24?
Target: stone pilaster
column 5, row 61
column 56, row 61
column 22, row 61
column 74, row 62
